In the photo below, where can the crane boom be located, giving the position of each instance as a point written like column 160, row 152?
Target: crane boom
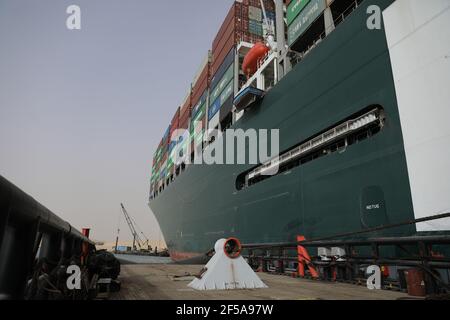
column 270, row 35
column 136, row 238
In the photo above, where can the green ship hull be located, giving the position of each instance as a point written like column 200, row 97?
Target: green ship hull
column 348, row 72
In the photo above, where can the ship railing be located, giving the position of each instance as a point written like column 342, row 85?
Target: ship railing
column 299, row 56
column 346, row 257
column 263, row 64
column 28, row 231
column 347, row 12
column 319, row 141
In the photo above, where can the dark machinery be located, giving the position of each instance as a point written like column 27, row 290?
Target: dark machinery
column 40, row 254
column 104, row 264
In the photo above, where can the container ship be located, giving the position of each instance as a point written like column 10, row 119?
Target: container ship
column 359, row 93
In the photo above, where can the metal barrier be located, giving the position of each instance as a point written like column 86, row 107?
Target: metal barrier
column 347, row 260
column 29, row 230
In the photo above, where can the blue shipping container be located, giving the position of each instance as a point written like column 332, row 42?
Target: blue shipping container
column 229, row 59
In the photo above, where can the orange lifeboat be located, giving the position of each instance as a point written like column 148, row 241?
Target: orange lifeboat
column 251, row 60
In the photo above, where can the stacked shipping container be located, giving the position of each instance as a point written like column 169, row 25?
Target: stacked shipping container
column 174, row 125
column 244, row 22
column 185, row 111
column 210, row 99
column 198, row 122
column 236, row 28
column 199, row 100
column 185, row 116
column 157, row 165
column 300, row 15
column 221, row 91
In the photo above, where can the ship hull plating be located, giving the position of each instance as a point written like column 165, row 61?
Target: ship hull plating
column 364, row 185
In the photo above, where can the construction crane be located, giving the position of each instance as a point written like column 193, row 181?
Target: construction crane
column 136, row 238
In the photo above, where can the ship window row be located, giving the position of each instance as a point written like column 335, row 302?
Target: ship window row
column 171, row 178
column 225, row 124
column 358, row 128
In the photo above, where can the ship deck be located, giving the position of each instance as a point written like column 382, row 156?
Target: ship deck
column 168, row 282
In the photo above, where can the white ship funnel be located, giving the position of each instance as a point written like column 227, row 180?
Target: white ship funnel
column 227, row 270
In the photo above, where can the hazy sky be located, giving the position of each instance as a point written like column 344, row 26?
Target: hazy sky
column 81, row 112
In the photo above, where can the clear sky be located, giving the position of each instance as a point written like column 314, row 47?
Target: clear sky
column 81, row 112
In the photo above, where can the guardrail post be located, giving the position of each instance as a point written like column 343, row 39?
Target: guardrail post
column 430, row 283
column 16, row 260
column 281, row 261
column 67, row 247
column 76, row 248
column 349, row 269
column 250, row 258
column 51, row 248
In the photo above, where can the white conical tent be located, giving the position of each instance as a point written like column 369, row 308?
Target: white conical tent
column 227, row 272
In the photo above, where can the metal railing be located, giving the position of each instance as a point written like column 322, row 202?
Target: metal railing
column 428, row 253
column 299, row 56
column 28, row 231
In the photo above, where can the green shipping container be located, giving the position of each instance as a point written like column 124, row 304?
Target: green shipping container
column 170, row 160
column 294, row 8
column 197, row 137
column 198, row 117
column 310, row 13
column 227, row 92
column 227, row 77
column 169, row 167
